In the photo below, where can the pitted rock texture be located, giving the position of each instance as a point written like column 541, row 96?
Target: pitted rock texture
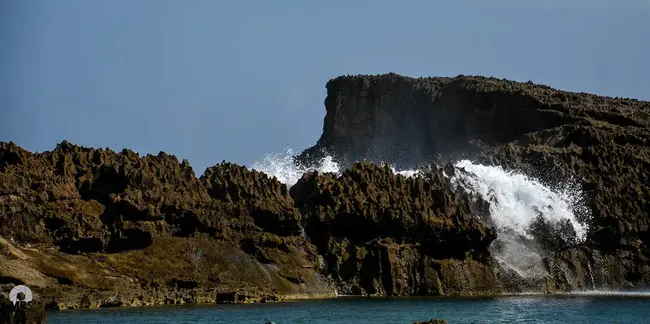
column 90, row 228
column 385, row 234
column 432, row 321
column 602, row 142
column 266, row 199
column 91, row 220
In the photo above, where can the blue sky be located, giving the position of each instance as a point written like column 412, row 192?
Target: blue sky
column 232, row 80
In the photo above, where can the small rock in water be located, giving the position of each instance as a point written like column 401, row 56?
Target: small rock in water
column 432, row 321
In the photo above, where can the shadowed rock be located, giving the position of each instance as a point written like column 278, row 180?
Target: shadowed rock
column 266, row 199
column 386, row 234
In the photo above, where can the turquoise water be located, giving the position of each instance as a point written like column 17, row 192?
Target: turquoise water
column 512, row 309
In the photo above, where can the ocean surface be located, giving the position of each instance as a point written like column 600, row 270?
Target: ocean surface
column 577, row 308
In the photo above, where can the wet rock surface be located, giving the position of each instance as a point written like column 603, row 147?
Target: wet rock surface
column 89, row 228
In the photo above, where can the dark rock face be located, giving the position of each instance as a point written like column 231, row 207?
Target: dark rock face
column 10, row 314
column 407, row 121
column 385, row 234
column 603, row 142
column 266, row 200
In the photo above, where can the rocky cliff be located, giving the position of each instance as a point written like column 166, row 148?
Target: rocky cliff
column 384, row 234
column 87, row 227
column 550, row 134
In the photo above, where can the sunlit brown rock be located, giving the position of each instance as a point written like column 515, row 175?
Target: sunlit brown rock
column 88, row 227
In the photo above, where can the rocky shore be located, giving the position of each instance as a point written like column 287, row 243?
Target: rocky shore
column 90, row 227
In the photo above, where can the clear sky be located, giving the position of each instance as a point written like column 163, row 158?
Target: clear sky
column 220, row 80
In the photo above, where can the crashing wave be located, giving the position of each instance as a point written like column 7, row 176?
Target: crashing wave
column 528, row 215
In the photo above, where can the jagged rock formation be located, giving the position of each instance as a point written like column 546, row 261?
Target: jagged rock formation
column 130, row 230
column 550, row 134
column 384, row 234
column 92, row 227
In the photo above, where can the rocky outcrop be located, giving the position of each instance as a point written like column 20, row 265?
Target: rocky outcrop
column 602, row 142
column 385, row 234
column 109, row 229
column 265, row 199
column 408, row 121
column 432, row 321
column 89, row 228
column 94, row 228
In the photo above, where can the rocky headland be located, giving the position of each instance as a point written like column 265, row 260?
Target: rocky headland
column 89, row 227
column 602, row 142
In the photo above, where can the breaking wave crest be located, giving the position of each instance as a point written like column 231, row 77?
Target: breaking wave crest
column 519, row 206
column 282, row 167
column 516, row 200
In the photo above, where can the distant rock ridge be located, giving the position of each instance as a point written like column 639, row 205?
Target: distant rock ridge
column 91, row 227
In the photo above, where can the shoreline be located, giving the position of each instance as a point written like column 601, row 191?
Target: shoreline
column 613, row 294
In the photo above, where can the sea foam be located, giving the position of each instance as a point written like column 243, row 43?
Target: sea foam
column 516, row 200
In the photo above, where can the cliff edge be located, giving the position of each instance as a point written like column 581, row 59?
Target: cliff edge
column 549, row 134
